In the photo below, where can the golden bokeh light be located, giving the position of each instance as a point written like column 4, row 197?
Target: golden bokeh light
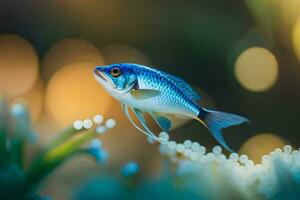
column 256, row 69
column 296, row 39
column 18, row 65
column 260, row 145
column 67, row 51
column 118, row 53
column 289, row 13
column 33, row 99
column 73, row 93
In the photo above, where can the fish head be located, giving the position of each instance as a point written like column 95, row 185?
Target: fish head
column 118, row 78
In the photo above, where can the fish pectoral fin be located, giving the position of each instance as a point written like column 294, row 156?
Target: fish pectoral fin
column 164, row 122
column 148, row 133
column 139, row 115
column 144, row 93
column 141, row 118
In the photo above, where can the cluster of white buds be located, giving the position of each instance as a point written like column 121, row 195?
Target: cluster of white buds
column 239, row 170
column 98, row 121
column 188, row 149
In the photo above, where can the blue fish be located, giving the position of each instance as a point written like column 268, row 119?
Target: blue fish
column 144, row 89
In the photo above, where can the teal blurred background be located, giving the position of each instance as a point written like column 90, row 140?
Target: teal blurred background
column 242, row 57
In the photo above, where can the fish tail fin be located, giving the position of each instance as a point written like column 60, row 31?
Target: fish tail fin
column 215, row 121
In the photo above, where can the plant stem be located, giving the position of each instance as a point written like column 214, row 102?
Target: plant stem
column 53, row 157
column 62, row 137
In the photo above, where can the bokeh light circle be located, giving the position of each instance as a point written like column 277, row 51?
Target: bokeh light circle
column 67, row 51
column 256, row 69
column 261, row 144
column 18, row 65
column 288, row 15
column 296, row 39
column 73, row 93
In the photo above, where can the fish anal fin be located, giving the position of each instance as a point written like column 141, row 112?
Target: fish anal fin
column 164, row 122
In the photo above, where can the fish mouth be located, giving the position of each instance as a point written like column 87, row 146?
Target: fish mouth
column 100, row 74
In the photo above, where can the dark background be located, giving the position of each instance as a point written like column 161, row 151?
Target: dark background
column 196, row 40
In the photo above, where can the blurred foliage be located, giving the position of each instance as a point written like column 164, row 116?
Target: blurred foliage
column 18, row 181
column 199, row 40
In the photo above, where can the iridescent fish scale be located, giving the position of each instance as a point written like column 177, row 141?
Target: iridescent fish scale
column 171, row 94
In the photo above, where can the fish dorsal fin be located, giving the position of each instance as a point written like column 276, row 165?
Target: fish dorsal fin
column 184, row 86
column 144, row 93
column 163, row 121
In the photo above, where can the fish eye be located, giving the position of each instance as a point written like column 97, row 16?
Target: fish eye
column 115, row 71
